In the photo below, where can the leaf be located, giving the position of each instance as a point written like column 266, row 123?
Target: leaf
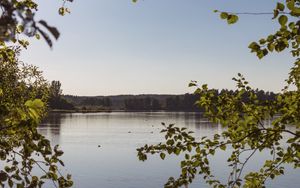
column 271, row 46
column 35, row 107
column 37, row 36
column 19, row 185
column 52, row 30
column 20, row 28
column 177, row 151
column 192, row 84
column 275, row 13
column 35, row 104
column 280, row 6
column 46, row 37
column 3, row 176
column 283, row 19
column 291, row 5
column 10, row 183
column 61, row 11
column 162, row 156
column 223, row 147
column 223, row 15
column 232, row 19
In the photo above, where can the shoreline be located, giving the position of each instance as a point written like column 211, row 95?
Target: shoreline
column 110, row 111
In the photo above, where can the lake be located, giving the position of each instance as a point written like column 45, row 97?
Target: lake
column 115, row 165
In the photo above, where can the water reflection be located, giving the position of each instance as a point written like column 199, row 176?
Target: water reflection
column 51, row 126
column 114, row 164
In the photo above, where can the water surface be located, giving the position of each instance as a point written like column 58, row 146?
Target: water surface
column 115, row 165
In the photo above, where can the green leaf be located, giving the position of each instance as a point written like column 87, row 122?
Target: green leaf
column 291, row 4
column 35, row 107
column 232, row 19
column 20, row 28
column 223, row 147
column 61, row 11
column 177, row 151
column 192, row 84
column 271, row 47
column 280, row 6
column 223, row 15
column 283, row 19
column 162, row 156
column 37, row 36
column 275, row 13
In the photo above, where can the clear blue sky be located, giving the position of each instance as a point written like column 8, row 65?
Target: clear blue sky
column 155, row 46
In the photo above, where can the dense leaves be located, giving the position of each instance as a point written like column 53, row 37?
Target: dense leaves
column 246, row 132
column 18, row 17
column 23, row 96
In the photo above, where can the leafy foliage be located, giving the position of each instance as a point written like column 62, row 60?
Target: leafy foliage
column 23, row 95
column 246, row 131
column 17, row 17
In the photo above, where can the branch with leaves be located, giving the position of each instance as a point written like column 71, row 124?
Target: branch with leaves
column 243, row 115
column 23, row 97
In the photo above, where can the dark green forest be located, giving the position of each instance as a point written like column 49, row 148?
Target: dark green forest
column 145, row 102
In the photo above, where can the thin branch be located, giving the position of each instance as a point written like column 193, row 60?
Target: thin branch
column 244, row 163
column 272, row 169
column 258, row 13
column 283, row 130
column 255, row 13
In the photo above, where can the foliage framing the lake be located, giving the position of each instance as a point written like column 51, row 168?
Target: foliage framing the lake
column 246, row 132
column 23, row 95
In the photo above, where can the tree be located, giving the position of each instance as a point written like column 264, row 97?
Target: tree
column 23, row 94
column 55, row 89
column 55, row 100
column 243, row 114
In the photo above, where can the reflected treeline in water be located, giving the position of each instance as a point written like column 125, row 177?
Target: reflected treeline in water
column 79, row 125
column 53, row 119
column 93, row 141
column 200, row 125
column 51, row 126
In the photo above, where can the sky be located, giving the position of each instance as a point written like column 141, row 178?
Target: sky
column 111, row 47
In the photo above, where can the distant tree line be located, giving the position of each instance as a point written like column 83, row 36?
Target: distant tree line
column 92, row 101
column 146, row 103
column 184, row 102
column 89, row 103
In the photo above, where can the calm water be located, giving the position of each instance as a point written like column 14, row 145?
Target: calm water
column 115, row 165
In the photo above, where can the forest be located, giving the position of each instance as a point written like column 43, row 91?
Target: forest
column 146, row 102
